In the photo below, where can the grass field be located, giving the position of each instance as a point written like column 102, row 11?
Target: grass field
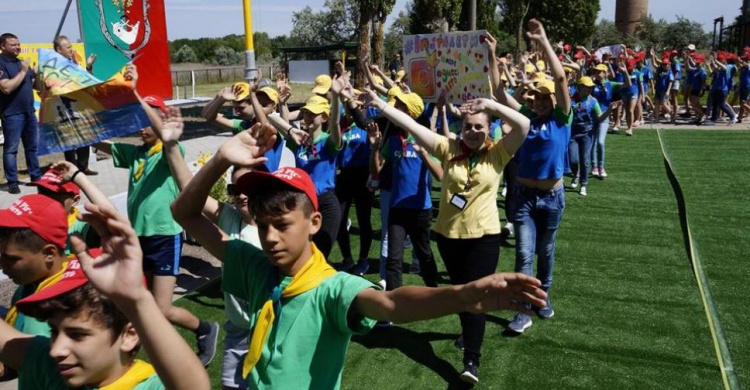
column 628, row 312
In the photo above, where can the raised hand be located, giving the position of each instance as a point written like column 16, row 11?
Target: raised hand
column 503, row 291
column 339, row 83
column 339, row 68
column 374, row 135
column 247, row 148
column 375, row 68
column 441, row 101
column 284, row 94
column 474, row 106
column 25, row 65
column 369, row 98
column 256, row 82
column 66, row 169
column 227, row 94
column 118, row 271
column 281, row 81
column 491, row 43
column 90, row 61
column 172, row 125
column 131, row 74
column 536, row 31
column 301, row 137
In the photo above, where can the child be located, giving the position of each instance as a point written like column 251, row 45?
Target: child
column 151, row 187
column 311, row 310
column 604, row 93
column 99, row 322
column 664, row 81
column 586, row 115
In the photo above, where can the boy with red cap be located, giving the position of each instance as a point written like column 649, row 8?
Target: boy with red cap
column 98, row 320
column 151, row 187
column 303, row 312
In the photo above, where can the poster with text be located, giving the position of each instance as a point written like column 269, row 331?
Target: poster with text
column 455, row 63
column 30, row 51
column 121, row 31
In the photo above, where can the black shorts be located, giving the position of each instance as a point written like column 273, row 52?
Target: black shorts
column 161, row 254
column 695, row 93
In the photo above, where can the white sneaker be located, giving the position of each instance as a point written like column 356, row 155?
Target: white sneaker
column 508, row 229
column 381, row 283
column 504, row 191
column 348, row 224
column 583, row 191
column 2, row 139
column 574, row 183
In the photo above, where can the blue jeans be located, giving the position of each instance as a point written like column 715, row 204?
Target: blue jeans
column 579, row 152
column 385, row 208
column 20, row 128
column 597, row 150
column 720, row 103
column 536, row 220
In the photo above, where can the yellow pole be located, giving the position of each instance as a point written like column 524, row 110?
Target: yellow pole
column 250, row 70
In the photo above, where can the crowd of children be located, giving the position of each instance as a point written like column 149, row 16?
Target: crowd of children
column 95, row 286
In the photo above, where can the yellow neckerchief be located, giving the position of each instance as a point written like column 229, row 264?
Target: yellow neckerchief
column 141, row 164
column 12, row 315
column 72, row 217
column 137, row 373
column 312, row 274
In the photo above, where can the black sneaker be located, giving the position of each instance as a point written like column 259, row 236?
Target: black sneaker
column 361, row 268
column 13, row 189
column 345, row 266
column 470, row 374
column 459, row 343
column 207, row 344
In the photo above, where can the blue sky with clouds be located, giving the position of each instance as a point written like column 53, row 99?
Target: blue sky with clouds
column 36, row 20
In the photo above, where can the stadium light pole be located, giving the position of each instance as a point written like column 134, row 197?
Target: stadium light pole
column 250, row 70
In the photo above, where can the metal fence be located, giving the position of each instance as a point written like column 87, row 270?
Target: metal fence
column 184, row 81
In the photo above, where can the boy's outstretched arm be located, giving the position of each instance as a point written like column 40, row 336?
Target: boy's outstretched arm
column 117, row 273
column 500, row 291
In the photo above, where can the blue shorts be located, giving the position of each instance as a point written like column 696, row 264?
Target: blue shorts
column 161, row 254
column 744, row 94
column 660, row 96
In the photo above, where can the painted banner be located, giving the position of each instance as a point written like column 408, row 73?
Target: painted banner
column 62, row 75
column 456, row 63
column 612, row 50
column 85, row 113
column 122, row 31
column 30, row 51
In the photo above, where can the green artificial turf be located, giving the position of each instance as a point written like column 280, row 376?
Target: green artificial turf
column 711, row 167
column 628, row 312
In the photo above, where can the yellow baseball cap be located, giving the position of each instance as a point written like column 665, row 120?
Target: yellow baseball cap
column 530, row 68
column 586, row 81
column 378, row 80
column 540, row 76
column 601, row 68
column 413, row 102
column 317, row 105
column 541, row 65
column 322, row 84
column 545, row 87
column 568, row 69
column 271, row 93
column 400, row 75
column 244, row 91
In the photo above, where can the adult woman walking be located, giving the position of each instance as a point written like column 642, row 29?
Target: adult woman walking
column 467, row 227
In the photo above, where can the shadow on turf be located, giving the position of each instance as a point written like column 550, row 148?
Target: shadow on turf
column 416, row 346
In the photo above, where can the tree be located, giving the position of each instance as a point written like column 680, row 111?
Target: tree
column 571, row 20
column 185, row 54
column 684, row 32
column 606, row 34
column 227, row 56
column 487, row 16
column 394, row 39
column 431, row 16
column 383, row 9
column 336, row 22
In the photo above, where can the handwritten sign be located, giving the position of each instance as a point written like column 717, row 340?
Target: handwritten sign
column 456, row 63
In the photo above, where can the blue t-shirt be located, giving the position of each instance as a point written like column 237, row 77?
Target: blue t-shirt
column 699, row 80
column 663, row 78
column 635, row 79
column 356, row 148
column 646, row 77
column 690, row 75
column 410, row 180
column 273, row 155
column 745, row 77
column 585, row 115
column 602, row 92
column 318, row 160
column 21, row 100
column 720, row 80
column 542, row 155
column 677, row 69
column 732, row 71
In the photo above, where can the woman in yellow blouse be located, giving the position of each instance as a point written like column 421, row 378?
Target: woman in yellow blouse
column 468, row 225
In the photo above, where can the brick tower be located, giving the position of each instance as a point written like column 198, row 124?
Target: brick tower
column 628, row 15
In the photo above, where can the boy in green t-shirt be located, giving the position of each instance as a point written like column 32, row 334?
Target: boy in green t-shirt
column 100, row 313
column 151, row 188
column 303, row 313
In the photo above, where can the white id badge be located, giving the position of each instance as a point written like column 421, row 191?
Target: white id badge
column 458, row 201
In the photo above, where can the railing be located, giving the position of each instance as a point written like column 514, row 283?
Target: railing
column 184, row 81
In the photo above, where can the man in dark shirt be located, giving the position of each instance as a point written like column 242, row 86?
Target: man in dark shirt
column 17, row 111
column 394, row 65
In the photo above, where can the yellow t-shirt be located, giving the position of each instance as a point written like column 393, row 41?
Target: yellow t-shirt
column 479, row 216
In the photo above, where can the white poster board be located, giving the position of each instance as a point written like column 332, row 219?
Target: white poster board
column 306, row 71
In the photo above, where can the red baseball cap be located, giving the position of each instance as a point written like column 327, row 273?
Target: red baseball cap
column 72, row 278
column 44, row 216
column 294, row 178
column 52, row 180
column 156, row 102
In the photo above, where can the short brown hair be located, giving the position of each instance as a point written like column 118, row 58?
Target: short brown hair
column 25, row 239
column 276, row 200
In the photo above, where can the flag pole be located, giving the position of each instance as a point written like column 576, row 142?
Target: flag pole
column 62, row 20
column 250, row 70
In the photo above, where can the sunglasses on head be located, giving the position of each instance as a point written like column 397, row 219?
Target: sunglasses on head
column 232, row 190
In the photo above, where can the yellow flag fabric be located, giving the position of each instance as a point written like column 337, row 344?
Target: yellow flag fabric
column 312, row 274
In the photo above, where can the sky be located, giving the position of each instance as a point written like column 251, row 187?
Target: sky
column 36, row 21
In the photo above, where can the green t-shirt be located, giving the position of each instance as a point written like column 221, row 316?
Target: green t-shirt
column 312, row 332
column 239, row 125
column 149, row 196
column 231, row 222
column 330, row 147
column 90, row 236
column 39, row 371
column 24, row 323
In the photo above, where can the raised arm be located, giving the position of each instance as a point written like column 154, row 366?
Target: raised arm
column 244, row 149
column 365, row 66
column 117, row 273
column 67, row 170
column 494, row 70
column 376, row 144
column 562, row 93
column 334, row 130
column 423, row 135
column 211, row 112
column 501, row 291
